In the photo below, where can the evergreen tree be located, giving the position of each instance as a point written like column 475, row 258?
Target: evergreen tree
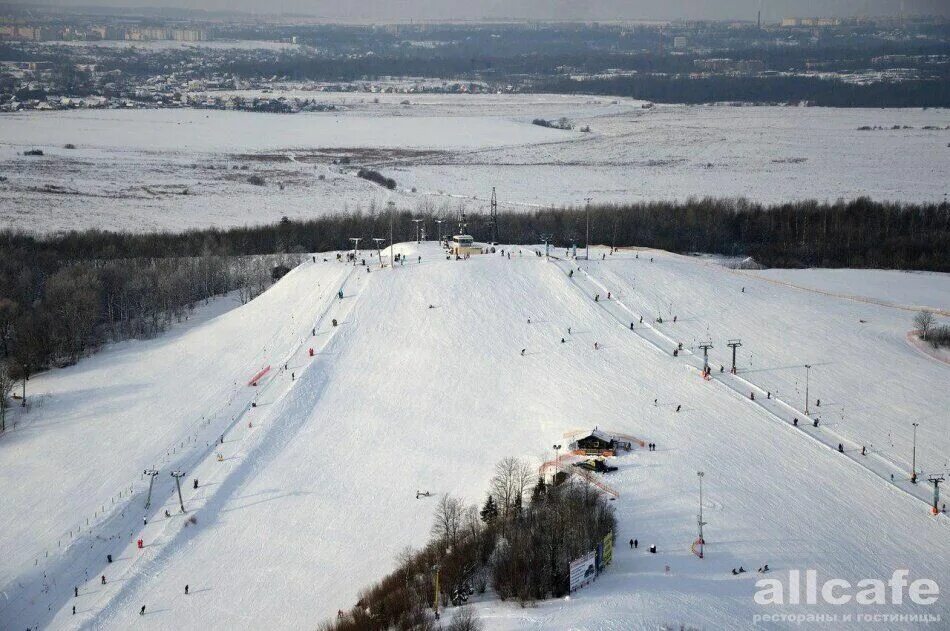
column 489, row 510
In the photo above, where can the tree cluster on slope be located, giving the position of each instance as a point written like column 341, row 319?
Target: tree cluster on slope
column 519, row 543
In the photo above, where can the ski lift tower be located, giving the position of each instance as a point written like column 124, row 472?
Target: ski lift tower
column 705, row 346
column 734, row 344
column 379, row 254
column 178, row 475
column 417, row 222
column 356, row 245
column 936, row 480
column 546, row 240
column 151, row 473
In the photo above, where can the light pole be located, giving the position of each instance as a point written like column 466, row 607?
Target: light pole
column 807, row 370
column 557, row 461
column 700, row 521
column 392, row 244
column 587, row 213
column 438, row 222
column 417, row 222
column 435, row 595
column 913, row 458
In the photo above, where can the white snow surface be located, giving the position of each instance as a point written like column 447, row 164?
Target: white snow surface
column 182, row 168
column 314, row 495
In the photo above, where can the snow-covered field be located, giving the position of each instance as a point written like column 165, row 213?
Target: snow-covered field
column 172, row 169
column 314, row 494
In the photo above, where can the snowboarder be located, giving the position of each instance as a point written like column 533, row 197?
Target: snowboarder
column 194, row 484
column 522, row 351
column 840, row 448
column 678, row 408
column 186, row 590
column 795, row 421
column 142, row 611
column 734, row 573
column 741, row 570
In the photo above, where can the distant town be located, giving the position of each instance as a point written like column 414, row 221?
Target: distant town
column 57, row 60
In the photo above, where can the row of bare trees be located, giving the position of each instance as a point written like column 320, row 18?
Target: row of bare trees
column 520, row 543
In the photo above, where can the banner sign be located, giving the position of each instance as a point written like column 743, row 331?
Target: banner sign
column 607, row 553
column 583, row 570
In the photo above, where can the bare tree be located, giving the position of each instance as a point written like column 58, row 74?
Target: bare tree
column 448, row 519
column 465, row 619
column 923, row 322
column 510, row 482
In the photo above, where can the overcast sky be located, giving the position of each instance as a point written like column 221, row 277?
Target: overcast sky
column 550, row 9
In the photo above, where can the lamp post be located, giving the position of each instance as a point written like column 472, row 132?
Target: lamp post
column 392, row 244
column 587, row 213
column 700, row 521
column 557, row 461
column 417, row 222
column 807, row 370
column 913, row 460
column 438, row 222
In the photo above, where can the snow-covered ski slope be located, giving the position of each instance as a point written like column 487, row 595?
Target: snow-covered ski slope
column 314, row 495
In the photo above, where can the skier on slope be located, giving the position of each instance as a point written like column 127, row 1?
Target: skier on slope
column 142, row 611
column 522, row 351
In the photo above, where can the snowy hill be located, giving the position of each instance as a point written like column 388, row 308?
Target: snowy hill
column 313, row 495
